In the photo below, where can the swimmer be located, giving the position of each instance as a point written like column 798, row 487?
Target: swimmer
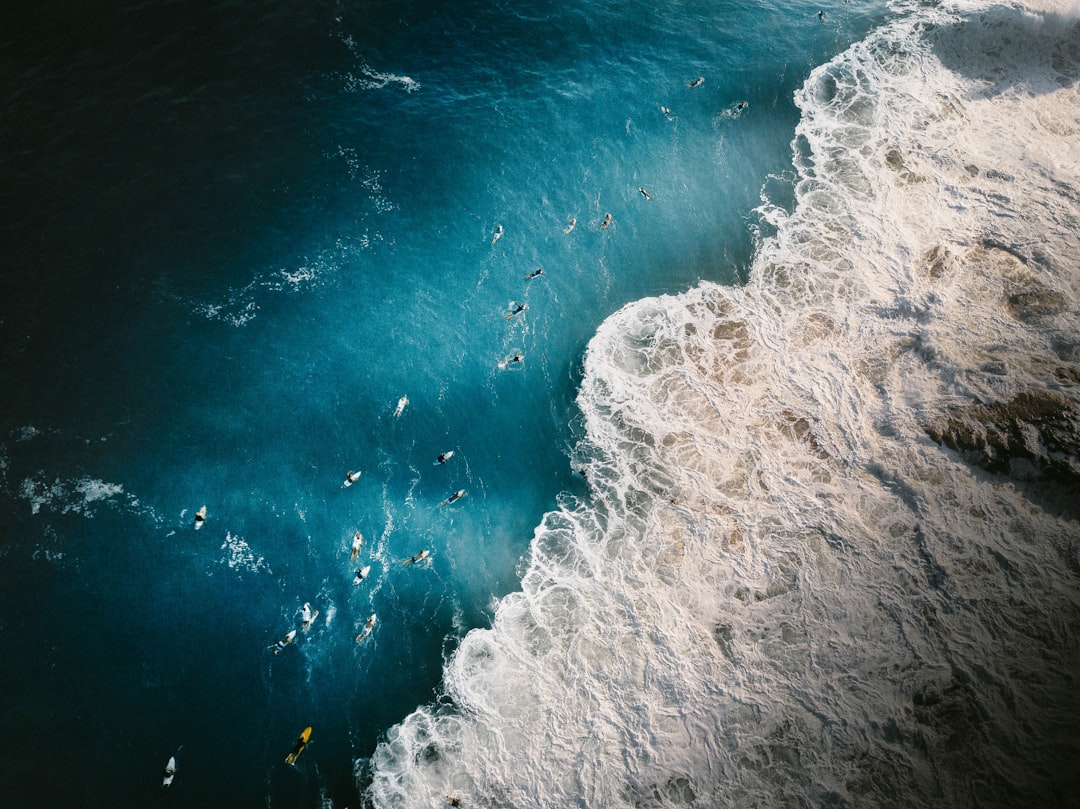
column 444, row 457
column 369, row 625
column 700, row 80
column 514, row 360
column 518, row 308
column 821, row 15
column 570, row 225
column 361, row 574
column 357, row 544
column 404, row 400
column 307, row 617
column 452, row 801
column 453, row 498
column 644, row 193
column 350, row 478
column 535, row 273
column 200, row 518
column 606, row 222
column 497, row 235
column 290, row 636
column 420, row 557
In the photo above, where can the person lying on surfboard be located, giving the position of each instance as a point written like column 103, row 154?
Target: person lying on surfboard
column 298, row 748
column 420, row 557
column 290, row 636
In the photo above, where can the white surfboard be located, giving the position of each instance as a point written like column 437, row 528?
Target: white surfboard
column 361, row 574
column 170, row 772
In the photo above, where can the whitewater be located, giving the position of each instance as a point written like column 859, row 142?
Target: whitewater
column 812, row 567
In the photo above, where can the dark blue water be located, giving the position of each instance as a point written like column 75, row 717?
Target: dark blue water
column 236, row 234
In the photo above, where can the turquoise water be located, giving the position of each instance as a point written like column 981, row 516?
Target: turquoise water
column 241, row 232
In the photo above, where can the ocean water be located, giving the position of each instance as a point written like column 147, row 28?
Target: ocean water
column 709, row 552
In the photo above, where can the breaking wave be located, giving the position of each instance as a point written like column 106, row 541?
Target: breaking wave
column 830, row 554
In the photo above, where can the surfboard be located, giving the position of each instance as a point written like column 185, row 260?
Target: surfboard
column 285, row 641
column 453, row 498
column 368, row 626
column 420, row 557
column 404, row 400
column 308, row 617
column 170, row 772
column 200, row 518
column 443, row 457
column 361, row 574
column 357, row 544
column 349, row 479
column 298, row 748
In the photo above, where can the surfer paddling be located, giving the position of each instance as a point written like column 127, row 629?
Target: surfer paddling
column 700, row 80
column 518, row 309
column 169, row 773
column 444, row 456
column 644, row 193
column 453, row 498
column 535, row 273
column 357, row 544
column 361, row 574
column 298, row 748
column 307, row 617
column 497, row 234
column 200, row 518
column 350, row 478
column 570, row 225
column 420, row 557
column 607, row 221
column 369, row 625
column 513, row 360
column 290, row 636
column 401, row 403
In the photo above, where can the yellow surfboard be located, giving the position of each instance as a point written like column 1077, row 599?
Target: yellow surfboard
column 298, row 748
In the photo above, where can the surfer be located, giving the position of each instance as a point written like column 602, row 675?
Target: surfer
column 361, row 574
column 821, row 15
column 444, row 456
column 420, row 557
column 369, row 625
column 404, row 400
column 452, row 801
column 357, row 544
column 170, row 772
column 665, row 110
column 644, row 193
column 453, row 498
column 298, row 748
column 511, row 361
column 307, row 617
column 570, row 225
column 606, row 222
column 497, row 235
column 700, row 80
column 200, row 518
column 537, row 272
column 350, row 478
column 518, row 308
column 290, row 636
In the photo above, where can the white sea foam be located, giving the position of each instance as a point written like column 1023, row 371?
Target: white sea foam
column 69, row 496
column 781, row 591
column 240, row 556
